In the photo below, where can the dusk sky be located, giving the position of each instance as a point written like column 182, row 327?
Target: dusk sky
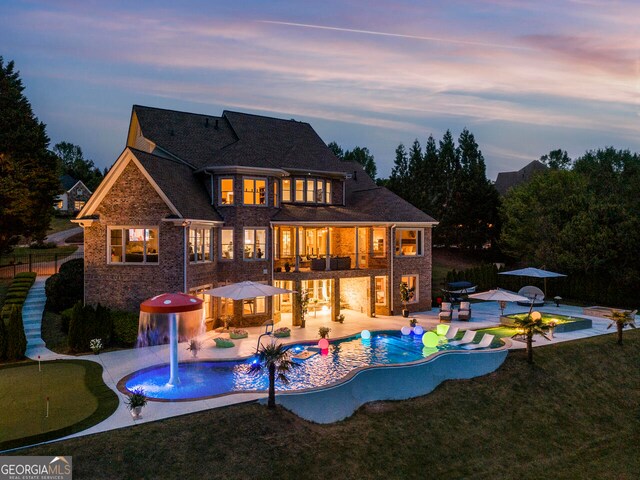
column 525, row 77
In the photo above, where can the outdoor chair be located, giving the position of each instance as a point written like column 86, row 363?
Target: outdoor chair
column 484, row 343
column 451, row 333
column 464, row 311
column 445, row 312
column 468, row 337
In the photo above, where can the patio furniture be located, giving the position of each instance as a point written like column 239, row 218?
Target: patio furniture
column 464, row 311
column 451, row 333
column 445, row 312
column 484, row 343
column 468, row 337
column 534, row 294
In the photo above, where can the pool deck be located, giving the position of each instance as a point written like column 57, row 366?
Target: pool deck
column 118, row 364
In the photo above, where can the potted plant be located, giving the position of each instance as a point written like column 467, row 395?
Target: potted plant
column 194, row 346
column 96, row 345
column 324, row 332
column 413, row 322
column 340, row 318
column 406, row 295
column 135, row 402
column 287, row 267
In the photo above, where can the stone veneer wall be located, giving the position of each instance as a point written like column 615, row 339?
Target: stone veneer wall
column 132, row 201
column 356, row 293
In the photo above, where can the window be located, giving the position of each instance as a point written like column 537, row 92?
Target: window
column 286, row 190
column 207, row 305
column 58, row 204
column 226, row 243
column 200, row 244
column 133, row 245
column 254, row 306
column 79, row 191
column 408, row 242
column 311, row 190
column 276, row 200
column 78, row 204
column 299, row 190
column 314, row 243
column 226, row 191
column 381, row 290
column 328, row 191
column 226, row 307
column 255, row 191
column 255, row 242
column 320, row 191
column 379, row 237
column 286, row 244
column 412, row 284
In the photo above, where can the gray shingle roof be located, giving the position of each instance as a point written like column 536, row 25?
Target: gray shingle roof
column 506, row 180
column 180, row 185
column 67, row 181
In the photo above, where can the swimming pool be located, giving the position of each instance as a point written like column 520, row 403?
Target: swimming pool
column 203, row 379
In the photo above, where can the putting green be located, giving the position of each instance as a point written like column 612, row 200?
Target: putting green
column 78, row 399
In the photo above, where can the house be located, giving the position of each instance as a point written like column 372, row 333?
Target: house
column 74, row 197
column 197, row 201
column 506, row 180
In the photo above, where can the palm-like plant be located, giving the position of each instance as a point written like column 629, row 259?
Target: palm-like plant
column 621, row 319
column 277, row 359
column 529, row 326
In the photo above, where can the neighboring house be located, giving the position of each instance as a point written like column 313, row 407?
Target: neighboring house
column 75, row 195
column 506, row 180
column 197, row 201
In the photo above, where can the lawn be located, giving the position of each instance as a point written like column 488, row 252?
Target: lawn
column 21, row 254
column 60, row 224
column 574, row 414
column 78, row 399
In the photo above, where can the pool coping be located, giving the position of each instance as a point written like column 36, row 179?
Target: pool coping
column 120, row 385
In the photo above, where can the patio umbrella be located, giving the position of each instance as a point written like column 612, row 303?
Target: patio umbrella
column 245, row 290
column 535, row 273
column 500, row 296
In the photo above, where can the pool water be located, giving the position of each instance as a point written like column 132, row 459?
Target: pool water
column 210, row 378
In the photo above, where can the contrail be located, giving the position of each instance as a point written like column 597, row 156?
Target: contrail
column 396, row 35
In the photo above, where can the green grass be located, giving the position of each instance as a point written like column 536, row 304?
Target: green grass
column 60, row 224
column 78, row 399
column 21, row 254
column 574, row 414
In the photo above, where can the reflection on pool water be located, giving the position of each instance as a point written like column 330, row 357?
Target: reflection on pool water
column 209, row 378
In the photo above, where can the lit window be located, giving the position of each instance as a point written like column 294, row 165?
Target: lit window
column 255, row 191
column 408, row 242
column 299, row 190
column 328, row 191
column 78, row 205
column 311, row 190
column 379, row 236
column 286, row 190
column 133, row 245
column 412, row 284
column 226, row 243
column 226, row 191
column 254, row 306
column 255, row 242
column 320, row 191
column 200, row 244
column 286, row 243
column 381, row 290
column 58, row 204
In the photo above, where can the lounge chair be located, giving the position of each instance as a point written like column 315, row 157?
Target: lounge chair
column 464, row 311
column 468, row 337
column 483, row 343
column 445, row 312
column 451, row 333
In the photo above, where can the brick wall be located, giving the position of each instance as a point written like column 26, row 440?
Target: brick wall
column 420, row 266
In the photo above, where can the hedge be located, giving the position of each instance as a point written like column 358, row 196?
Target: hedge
column 88, row 323
column 125, row 328
column 16, row 340
column 66, row 288
column 31, row 275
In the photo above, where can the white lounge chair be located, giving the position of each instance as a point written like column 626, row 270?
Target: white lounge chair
column 451, row 333
column 468, row 337
column 484, row 343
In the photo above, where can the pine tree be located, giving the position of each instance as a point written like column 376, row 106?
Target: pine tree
column 399, row 179
column 415, row 175
column 449, row 164
column 431, row 179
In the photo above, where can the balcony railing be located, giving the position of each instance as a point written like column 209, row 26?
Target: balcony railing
column 344, row 261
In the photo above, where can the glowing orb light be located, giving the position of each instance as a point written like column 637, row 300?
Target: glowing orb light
column 365, row 334
column 418, row 330
column 406, row 330
column 442, row 329
column 535, row 316
column 323, row 344
column 430, row 339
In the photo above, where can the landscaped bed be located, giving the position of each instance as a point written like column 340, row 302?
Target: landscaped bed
column 78, row 399
column 563, row 323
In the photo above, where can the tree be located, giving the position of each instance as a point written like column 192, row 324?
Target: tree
column 336, row 149
column 28, row 171
column 529, row 326
column 399, row 179
column 364, row 158
column 16, row 338
column 557, row 159
column 276, row 358
column 622, row 319
column 73, row 163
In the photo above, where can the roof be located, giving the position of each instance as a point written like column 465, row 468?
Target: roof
column 507, row 180
column 179, row 184
column 67, row 182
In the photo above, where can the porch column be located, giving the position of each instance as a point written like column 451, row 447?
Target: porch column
column 335, row 300
column 328, row 249
column 372, row 296
column 295, row 304
column 357, row 249
column 297, row 250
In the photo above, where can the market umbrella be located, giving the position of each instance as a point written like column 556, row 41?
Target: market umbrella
column 245, row 290
column 535, row 273
column 500, row 296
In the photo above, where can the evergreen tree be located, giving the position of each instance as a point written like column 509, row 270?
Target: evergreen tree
column 16, row 338
column 28, row 171
column 399, row 179
column 415, row 175
column 449, row 164
column 431, row 179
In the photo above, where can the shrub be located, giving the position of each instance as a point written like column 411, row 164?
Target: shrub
column 31, row 275
column 66, row 319
column 66, row 288
column 16, row 338
column 87, row 323
column 19, row 295
column 125, row 328
column 3, row 338
column 76, row 327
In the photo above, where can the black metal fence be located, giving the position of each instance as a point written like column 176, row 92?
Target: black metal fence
column 40, row 263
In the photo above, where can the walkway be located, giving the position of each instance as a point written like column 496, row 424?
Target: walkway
column 59, row 237
column 32, row 311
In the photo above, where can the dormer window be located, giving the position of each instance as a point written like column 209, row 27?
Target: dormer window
column 307, row 190
column 226, row 191
column 255, row 191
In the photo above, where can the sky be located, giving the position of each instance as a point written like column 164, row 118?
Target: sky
column 525, row 77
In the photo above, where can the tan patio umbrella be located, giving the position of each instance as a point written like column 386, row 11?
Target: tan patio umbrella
column 245, row 290
column 501, row 296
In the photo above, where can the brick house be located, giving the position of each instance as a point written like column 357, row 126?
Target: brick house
column 74, row 196
column 197, row 201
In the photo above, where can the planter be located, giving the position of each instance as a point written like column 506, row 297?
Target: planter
column 405, row 313
column 237, row 336
column 224, row 343
column 136, row 412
